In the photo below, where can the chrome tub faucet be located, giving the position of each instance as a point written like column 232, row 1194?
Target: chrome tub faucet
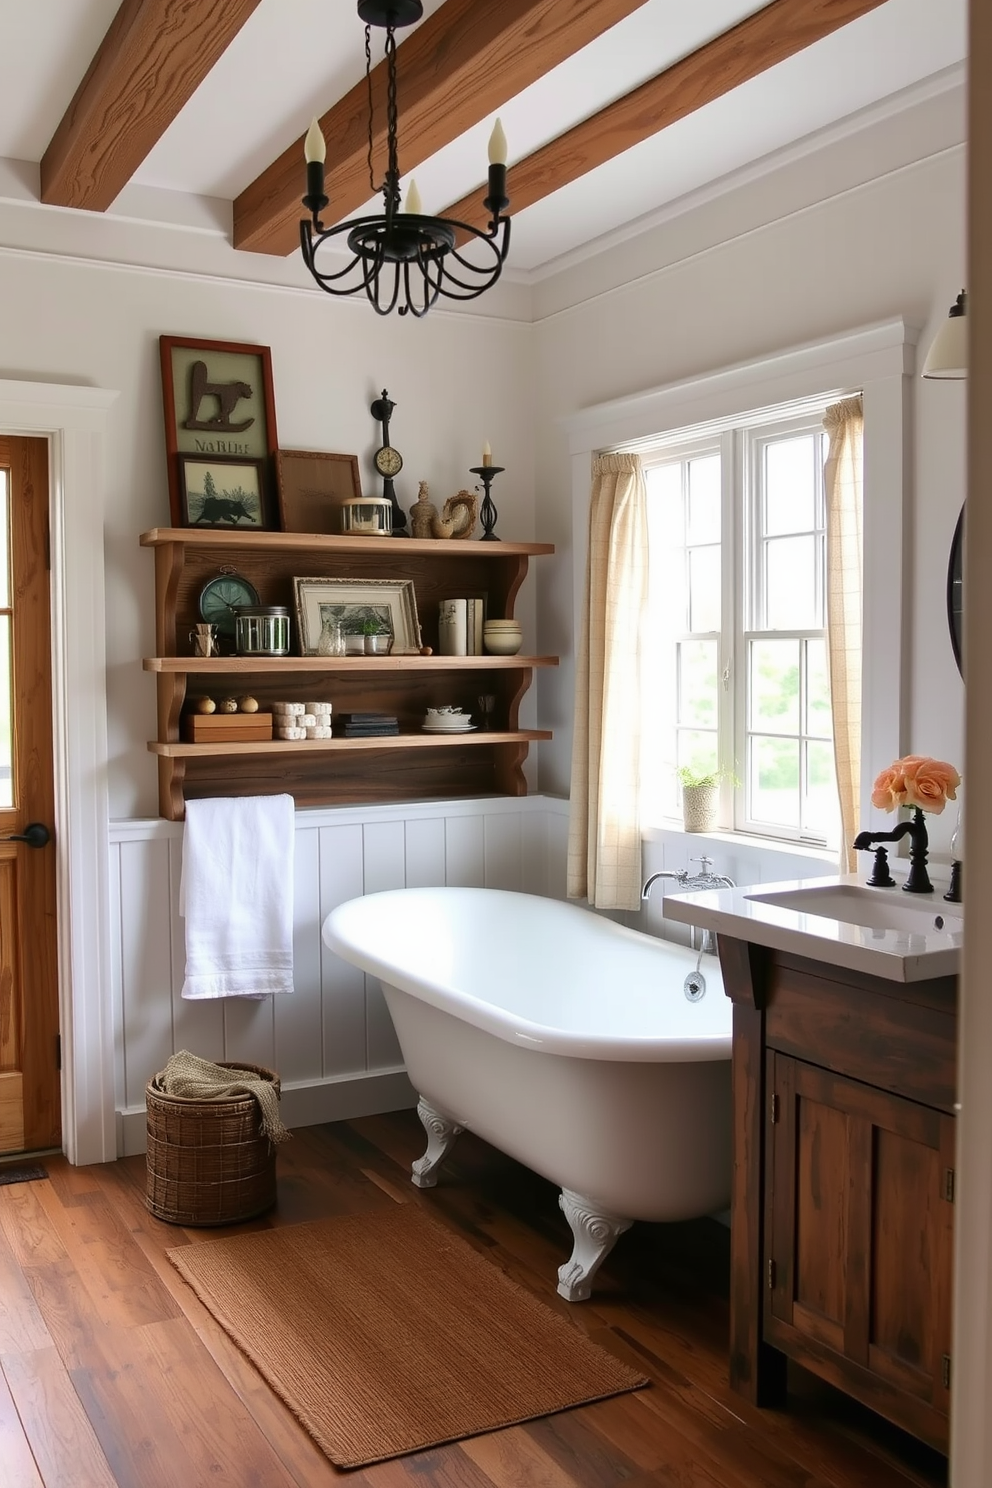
column 704, row 940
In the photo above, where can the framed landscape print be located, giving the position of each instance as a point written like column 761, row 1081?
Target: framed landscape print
column 311, row 487
column 218, row 402
column 391, row 603
column 223, row 493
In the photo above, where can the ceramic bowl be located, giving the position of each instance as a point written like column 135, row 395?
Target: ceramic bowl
column 502, row 642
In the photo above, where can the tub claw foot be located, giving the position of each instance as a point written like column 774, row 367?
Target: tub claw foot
column 441, row 1135
column 595, row 1233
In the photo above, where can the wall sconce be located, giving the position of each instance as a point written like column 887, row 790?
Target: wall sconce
column 948, row 355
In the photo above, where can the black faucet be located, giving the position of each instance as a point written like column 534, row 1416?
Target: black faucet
column 917, row 880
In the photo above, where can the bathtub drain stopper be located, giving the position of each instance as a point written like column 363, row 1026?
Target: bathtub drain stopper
column 694, row 986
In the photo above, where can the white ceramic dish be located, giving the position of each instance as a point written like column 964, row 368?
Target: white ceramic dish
column 448, row 728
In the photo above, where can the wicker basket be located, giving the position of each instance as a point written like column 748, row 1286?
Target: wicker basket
column 208, row 1162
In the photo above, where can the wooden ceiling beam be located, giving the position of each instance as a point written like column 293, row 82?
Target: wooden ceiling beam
column 153, row 58
column 760, row 41
column 462, row 63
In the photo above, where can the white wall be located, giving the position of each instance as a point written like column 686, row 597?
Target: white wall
column 331, row 1040
column 742, row 278
column 456, row 381
column 862, row 228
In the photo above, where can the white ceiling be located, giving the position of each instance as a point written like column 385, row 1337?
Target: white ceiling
column 294, row 58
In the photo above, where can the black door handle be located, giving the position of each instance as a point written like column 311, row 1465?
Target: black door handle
column 35, row 834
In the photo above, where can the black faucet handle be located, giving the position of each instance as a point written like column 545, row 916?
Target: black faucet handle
column 881, row 878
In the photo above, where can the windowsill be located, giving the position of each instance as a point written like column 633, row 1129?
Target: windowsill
column 659, row 830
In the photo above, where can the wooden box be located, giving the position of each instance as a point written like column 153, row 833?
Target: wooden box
column 227, row 728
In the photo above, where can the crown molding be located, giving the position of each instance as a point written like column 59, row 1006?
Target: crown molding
column 948, row 82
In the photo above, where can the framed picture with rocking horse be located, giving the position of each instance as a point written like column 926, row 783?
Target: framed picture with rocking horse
column 219, row 406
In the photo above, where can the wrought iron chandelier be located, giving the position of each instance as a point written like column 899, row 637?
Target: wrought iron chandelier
column 403, row 258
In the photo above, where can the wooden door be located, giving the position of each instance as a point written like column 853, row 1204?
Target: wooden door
column 859, row 1240
column 30, row 1108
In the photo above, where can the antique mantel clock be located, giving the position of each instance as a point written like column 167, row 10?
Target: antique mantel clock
column 389, row 462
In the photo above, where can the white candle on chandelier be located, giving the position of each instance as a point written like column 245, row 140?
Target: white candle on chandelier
column 314, row 146
column 487, row 454
column 497, row 145
column 413, row 203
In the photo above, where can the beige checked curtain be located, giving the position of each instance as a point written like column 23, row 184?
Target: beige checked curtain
column 843, row 481
column 604, row 838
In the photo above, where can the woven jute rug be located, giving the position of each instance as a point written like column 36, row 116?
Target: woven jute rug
column 385, row 1334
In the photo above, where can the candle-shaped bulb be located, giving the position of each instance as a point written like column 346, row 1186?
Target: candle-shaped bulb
column 413, row 203
column 487, row 454
column 314, row 146
column 497, row 145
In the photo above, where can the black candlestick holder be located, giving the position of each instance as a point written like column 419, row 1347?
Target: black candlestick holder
column 487, row 512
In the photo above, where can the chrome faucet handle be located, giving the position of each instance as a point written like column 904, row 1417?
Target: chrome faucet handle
column 705, row 865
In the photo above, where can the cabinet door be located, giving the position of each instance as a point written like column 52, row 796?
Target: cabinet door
column 859, row 1232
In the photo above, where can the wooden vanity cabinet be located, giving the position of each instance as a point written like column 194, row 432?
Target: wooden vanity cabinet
column 842, row 1212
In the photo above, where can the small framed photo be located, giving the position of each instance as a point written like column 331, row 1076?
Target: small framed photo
column 223, row 493
column 312, row 486
column 391, row 603
column 218, row 402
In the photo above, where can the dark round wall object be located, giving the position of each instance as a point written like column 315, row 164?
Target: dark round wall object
column 955, row 591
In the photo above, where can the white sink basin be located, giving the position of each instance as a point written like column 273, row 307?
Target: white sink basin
column 877, row 909
column 837, row 920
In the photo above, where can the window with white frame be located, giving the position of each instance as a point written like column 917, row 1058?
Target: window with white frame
column 737, row 681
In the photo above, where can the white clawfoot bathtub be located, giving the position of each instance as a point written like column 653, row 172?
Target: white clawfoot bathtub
column 565, row 1040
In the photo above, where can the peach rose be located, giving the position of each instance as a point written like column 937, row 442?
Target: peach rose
column 889, row 790
column 930, row 784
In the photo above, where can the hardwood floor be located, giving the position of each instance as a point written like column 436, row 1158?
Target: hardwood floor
column 112, row 1373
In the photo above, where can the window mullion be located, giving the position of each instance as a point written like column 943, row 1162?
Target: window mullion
column 731, row 660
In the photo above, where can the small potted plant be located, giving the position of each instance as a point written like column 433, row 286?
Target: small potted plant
column 378, row 640
column 699, row 796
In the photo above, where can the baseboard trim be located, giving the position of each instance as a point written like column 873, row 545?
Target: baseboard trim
column 306, row 1104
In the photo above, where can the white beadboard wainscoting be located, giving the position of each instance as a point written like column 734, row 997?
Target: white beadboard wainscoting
column 331, row 1042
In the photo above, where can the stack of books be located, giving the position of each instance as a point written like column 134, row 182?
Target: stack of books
column 459, row 627
column 369, row 725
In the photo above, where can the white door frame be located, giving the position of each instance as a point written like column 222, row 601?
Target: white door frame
column 74, row 421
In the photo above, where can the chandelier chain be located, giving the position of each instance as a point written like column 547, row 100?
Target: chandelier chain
column 392, row 166
column 391, row 182
column 368, row 85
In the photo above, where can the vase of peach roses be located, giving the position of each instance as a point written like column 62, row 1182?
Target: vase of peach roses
column 925, row 785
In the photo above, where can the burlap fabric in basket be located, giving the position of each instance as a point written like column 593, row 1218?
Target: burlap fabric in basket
column 211, row 1134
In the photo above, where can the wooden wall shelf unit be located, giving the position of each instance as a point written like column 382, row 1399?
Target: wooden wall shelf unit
column 338, row 771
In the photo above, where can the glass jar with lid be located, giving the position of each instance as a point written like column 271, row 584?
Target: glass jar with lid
column 261, row 630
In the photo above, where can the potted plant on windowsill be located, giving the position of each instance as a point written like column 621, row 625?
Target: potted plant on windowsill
column 700, row 789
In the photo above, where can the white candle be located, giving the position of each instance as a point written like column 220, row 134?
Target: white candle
column 413, row 203
column 487, row 454
column 314, row 146
column 497, row 145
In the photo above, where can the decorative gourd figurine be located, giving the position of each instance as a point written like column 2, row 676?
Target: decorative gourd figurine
column 423, row 514
column 458, row 516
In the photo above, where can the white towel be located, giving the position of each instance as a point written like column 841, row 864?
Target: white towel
column 236, row 894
